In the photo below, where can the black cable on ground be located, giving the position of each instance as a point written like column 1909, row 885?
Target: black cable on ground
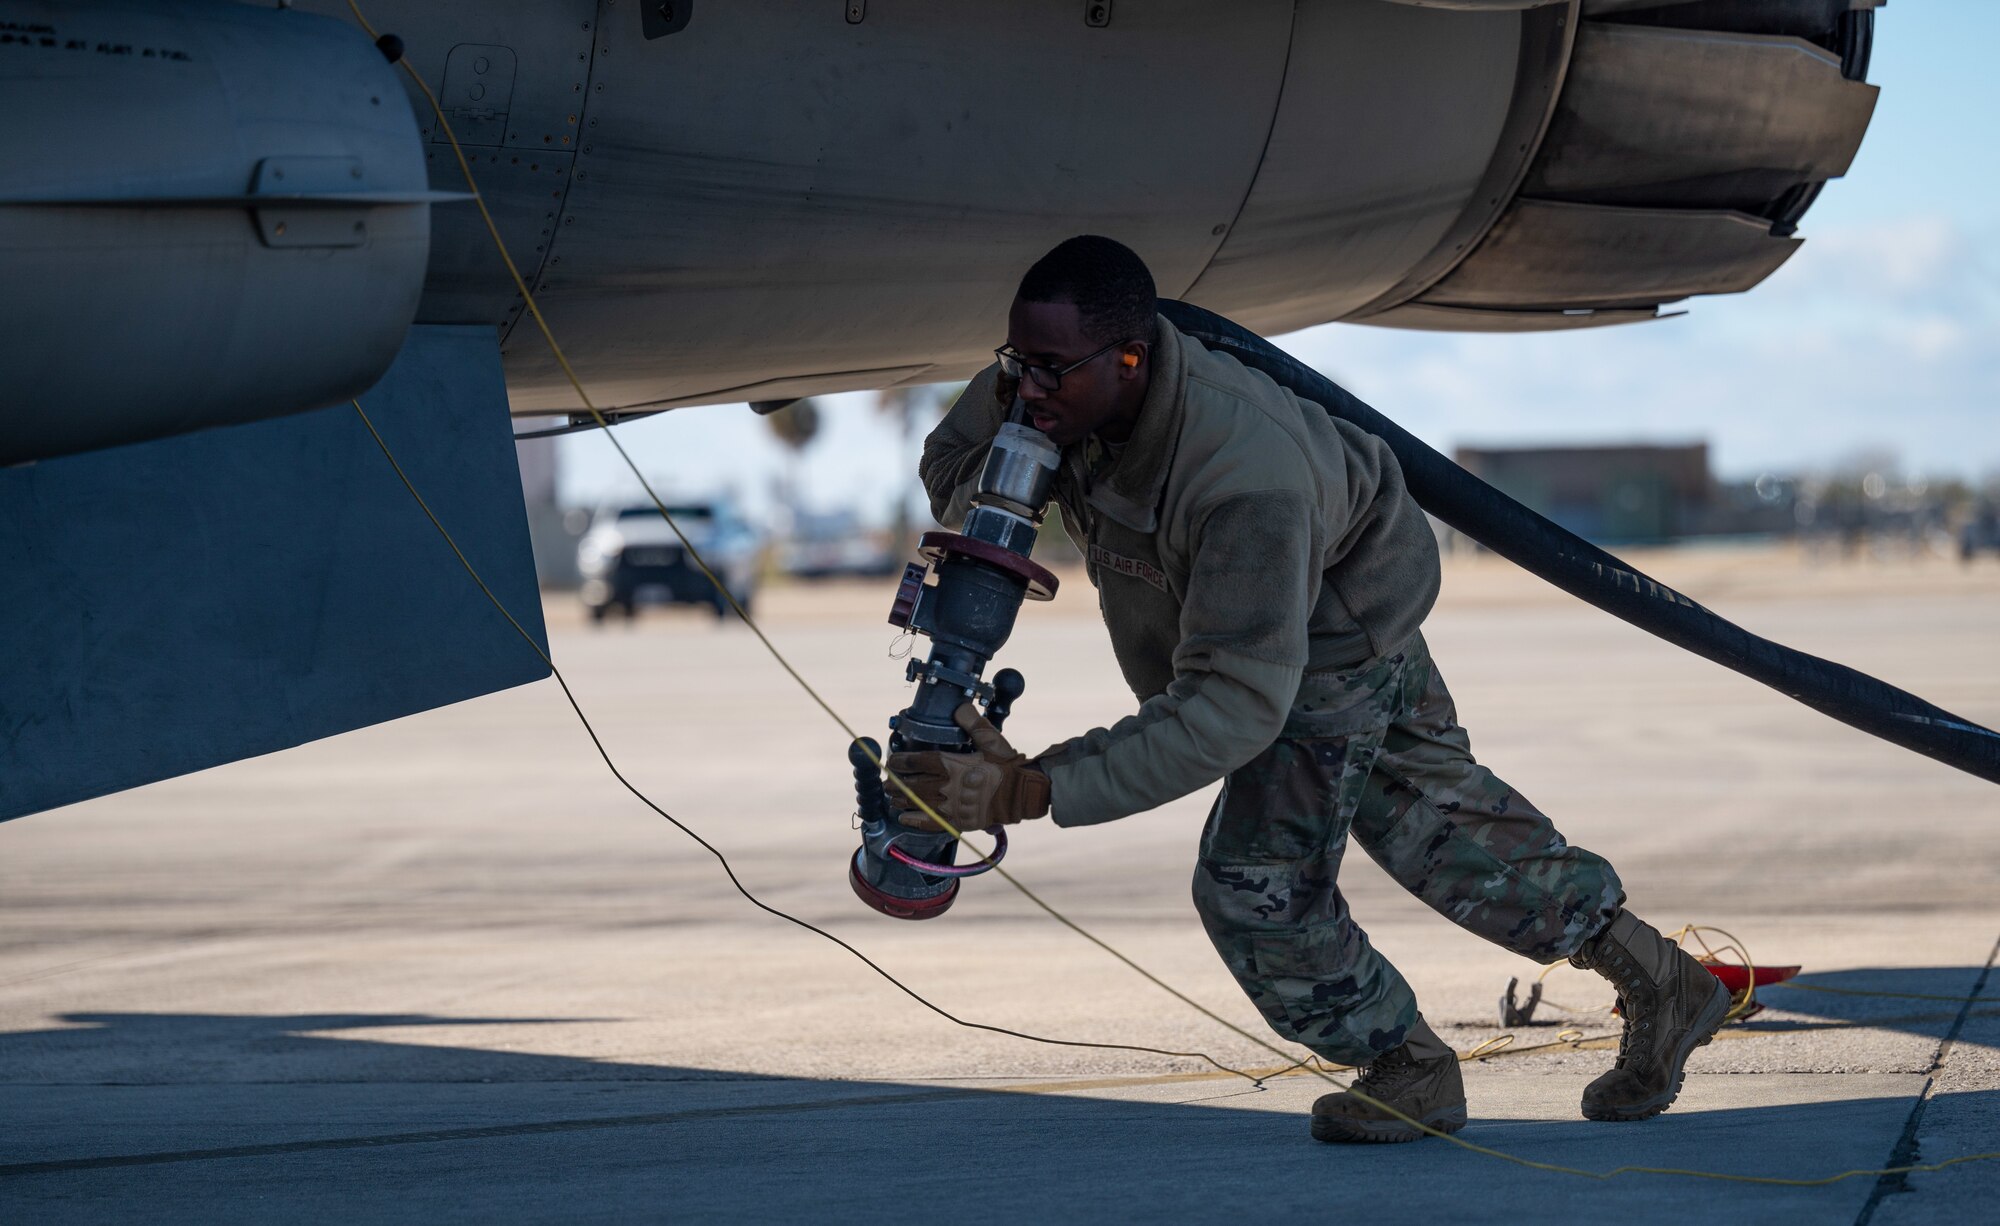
column 1590, row 574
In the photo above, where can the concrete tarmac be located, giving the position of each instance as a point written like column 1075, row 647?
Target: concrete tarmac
column 447, row 969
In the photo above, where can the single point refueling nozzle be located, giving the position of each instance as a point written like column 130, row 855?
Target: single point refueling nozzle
column 982, row 574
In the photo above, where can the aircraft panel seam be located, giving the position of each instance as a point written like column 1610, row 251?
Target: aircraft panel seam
column 1257, row 171
column 518, row 310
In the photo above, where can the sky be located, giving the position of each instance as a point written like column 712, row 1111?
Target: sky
column 1880, row 337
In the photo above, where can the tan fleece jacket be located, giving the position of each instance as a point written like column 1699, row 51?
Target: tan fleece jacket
column 1240, row 538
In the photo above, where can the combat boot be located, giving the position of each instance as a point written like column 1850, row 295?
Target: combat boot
column 1672, row 1005
column 1420, row 1079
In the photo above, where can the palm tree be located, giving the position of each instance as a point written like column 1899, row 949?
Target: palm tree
column 916, row 409
column 796, row 425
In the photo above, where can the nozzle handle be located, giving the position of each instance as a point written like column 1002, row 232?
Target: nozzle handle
column 868, row 795
column 1008, row 685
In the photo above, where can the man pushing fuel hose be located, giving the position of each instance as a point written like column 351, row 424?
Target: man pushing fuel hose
column 1264, row 573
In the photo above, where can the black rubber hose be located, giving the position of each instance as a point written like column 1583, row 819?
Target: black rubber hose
column 1583, row 570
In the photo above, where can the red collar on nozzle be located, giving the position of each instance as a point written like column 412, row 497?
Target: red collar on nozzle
column 899, row 908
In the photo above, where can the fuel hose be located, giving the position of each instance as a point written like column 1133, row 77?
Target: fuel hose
column 1544, row 549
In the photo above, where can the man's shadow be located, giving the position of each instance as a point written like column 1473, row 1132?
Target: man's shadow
column 1924, row 1001
column 174, row 1048
column 125, row 1113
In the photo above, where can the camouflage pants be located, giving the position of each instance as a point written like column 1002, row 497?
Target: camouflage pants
column 1377, row 750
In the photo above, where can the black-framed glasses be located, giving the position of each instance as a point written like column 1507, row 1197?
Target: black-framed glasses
column 1048, row 378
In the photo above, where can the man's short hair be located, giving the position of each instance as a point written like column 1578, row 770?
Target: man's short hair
column 1106, row 280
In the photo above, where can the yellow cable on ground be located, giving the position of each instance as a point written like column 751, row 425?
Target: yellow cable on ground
column 1491, row 1047
column 1309, row 1064
column 1737, row 1008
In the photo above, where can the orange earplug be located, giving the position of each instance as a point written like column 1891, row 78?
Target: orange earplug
column 1130, row 359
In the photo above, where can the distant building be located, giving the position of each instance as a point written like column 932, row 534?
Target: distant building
column 1614, row 495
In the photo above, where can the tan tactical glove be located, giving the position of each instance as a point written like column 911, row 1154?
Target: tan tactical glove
column 994, row 786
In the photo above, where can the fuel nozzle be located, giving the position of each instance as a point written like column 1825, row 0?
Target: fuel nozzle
column 964, row 596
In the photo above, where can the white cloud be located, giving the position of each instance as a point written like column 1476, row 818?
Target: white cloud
column 1872, row 335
